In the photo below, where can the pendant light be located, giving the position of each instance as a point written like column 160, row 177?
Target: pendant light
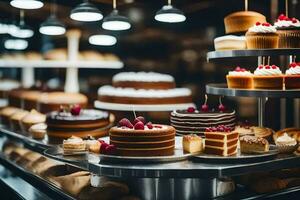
column 102, row 40
column 27, row 4
column 86, row 12
column 170, row 14
column 22, row 31
column 114, row 21
column 15, row 44
column 52, row 26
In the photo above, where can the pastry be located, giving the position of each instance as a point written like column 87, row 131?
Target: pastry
column 14, row 97
column 292, row 76
column 143, row 80
column 253, row 144
column 230, row 42
column 221, row 140
column 193, row 121
column 262, row 36
column 241, row 21
column 292, row 132
column 141, row 96
column 192, row 143
column 286, row 144
column 261, row 132
column 38, row 131
column 15, row 119
column 54, row 100
column 142, row 139
column 74, row 144
column 6, row 113
column 79, row 122
column 29, row 99
column 33, row 117
column 267, row 77
column 93, row 146
column 240, row 78
column 288, row 30
column 7, row 85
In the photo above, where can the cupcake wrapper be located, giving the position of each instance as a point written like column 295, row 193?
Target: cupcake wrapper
column 286, row 149
column 268, row 82
column 292, row 82
column 262, row 41
column 289, row 38
column 239, row 82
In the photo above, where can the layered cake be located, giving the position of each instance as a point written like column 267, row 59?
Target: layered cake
column 29, row 99
column 193, row 121
column 142, row 139
column 230, row 42
column 192, row 143
column 53, row 100
column 292, row 76
column 144, row 88
column 221, row 140
column 253, row 144
column 268, row 77
column 75, row 121
column 143, row 80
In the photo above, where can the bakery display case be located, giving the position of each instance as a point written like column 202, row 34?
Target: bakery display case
column 137, row 110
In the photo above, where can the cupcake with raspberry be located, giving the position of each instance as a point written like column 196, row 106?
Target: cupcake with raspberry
column 267, row 77
column 262, row 36
column 240, row 78
column 292, row 76
column 288, row 30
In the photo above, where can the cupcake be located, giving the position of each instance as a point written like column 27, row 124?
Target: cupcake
column 240, row 78
column 288, row 30
column 292, row 76
column 6, row 112
column 15, row 119
column 262, row 36
column 34, row 117
column 38, row 131
column 267, row 77
column 286, row 144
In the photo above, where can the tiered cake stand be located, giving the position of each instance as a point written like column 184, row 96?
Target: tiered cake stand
column 262, row 94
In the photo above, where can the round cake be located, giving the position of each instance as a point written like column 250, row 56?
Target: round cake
column 143, row 80
column 142, row 140
column 29, row 99
column 187, row 122
column 7, row 85
column 54, row 100
column 141, row 96
column 87, row 122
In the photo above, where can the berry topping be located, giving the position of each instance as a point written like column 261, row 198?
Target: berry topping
column 157, row 126
column 281, row 17
column 139, row 126
column 293, row 64
column 258, row 23
column 110, row 149
column 274, row 67
column 103, row 147
column 237, row 69
column 101, row 141
column 221, row 107
column 294, row 20
column 125, row 123
column 191, row 109
column 149, row 125
column 260, row 67
column 139, row 119
column 205, row 107
column 220, row 128
column 268, row 67
column 75, row 110
column 266, row 24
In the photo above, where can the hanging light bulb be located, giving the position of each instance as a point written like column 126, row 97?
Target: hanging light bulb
column 27, row 4
column 15, row 44
column 52, row 26
column 103, row 40
column 86, row 12
column 170, row 14
column 22, row 31
column 114, row 21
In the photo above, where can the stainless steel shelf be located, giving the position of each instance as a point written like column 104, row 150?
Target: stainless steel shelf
column 251, row 53
column 222, row 89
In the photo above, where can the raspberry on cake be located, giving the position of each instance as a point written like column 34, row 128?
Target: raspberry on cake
column 221, row 140
column 192, row 143
column 140, row 139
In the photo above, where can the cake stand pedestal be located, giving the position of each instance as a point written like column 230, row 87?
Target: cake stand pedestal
column 27, row 77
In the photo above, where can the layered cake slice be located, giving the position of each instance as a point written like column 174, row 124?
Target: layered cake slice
column 253, row 144
column 221, row 140
column 142, row 139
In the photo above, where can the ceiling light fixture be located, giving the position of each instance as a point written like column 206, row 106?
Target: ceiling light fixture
column 15, row 44
column 27, row 4
column 170, row 14
column 52, row 26
column 114, row 21
column 86, row 12
column 102, row 40
column 22, row 31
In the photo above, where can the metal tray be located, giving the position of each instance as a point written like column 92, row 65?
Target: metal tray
column 238, row 158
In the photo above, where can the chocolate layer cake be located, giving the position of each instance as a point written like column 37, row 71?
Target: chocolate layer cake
column 196, row 122
column 158, row 141
column 88, row 123
column 143, row 80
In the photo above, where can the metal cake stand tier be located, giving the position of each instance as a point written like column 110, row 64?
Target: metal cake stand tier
column 222, row 89
column 251, row 53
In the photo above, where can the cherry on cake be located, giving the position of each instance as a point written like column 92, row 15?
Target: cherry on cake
column 143, row 80
column 195, row 121
column 221, row 140
column 141, row 138
column 75, row 121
